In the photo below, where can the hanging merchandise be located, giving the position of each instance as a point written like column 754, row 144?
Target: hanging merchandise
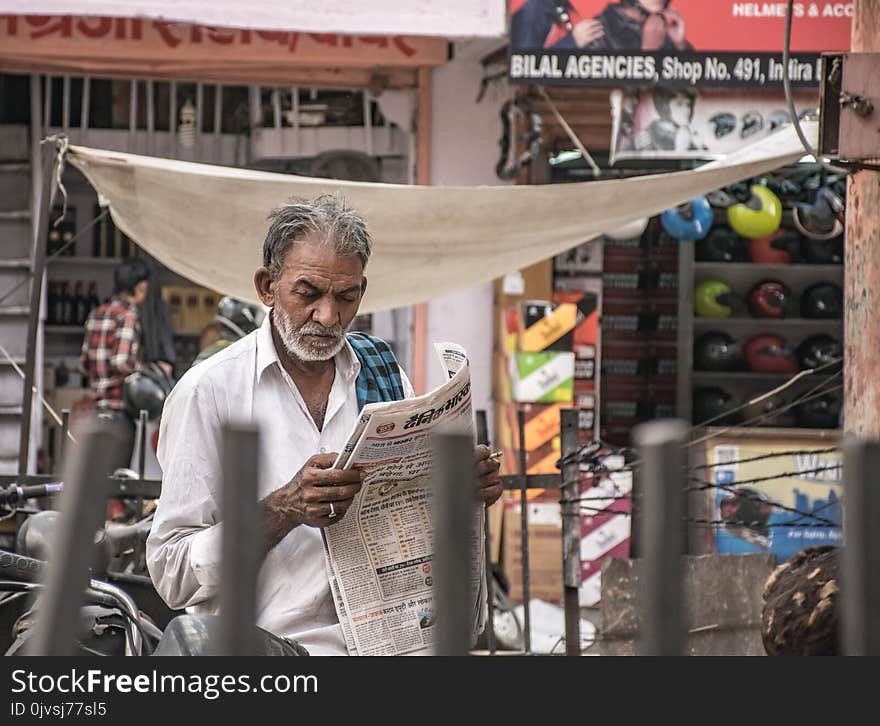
column 513, row 113
column 722, row 245
column 819, row 351
column 712, row 299
column 822, row 251
column 689, row 221
column 760, row 216
column 630, row 230
column 779, row 248
column 769, row 353
column 769, row 299
column 822, row 412
column 823, row 218
column 717, row 351
column 714, row 404
column 823, row 300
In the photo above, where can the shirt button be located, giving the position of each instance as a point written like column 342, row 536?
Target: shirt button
column 323, row 450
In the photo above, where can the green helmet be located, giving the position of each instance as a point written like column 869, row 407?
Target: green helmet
column 760, row 216
column 712, row 299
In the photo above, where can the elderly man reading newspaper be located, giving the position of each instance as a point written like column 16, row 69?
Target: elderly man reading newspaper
column 304, row 380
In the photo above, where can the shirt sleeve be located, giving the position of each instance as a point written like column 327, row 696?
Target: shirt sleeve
column 183, row 549
column 124, row 360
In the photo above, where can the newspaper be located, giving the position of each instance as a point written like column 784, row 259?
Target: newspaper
column 379, row 558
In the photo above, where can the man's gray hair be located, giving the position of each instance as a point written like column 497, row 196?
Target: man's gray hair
column 329, row 217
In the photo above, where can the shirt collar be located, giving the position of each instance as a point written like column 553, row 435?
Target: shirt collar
column 347, row 364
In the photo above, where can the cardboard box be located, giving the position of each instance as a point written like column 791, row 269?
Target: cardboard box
column 545, row 546
column 545, row 377
column 541, row 437
column 547, row 326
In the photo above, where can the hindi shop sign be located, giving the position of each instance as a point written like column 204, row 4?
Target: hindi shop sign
column 672, row 42
column 152, row 46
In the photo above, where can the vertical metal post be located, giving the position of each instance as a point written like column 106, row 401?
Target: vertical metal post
column 172, row 118
column 571, row 531
column 368, row 122
column 241, row 540
column 524, row 532
column 132, row 114
column 83, row 503
column 62, row 447
column 84, row 112
column 660, row 445
column 454, row 502
column 142, row 443
column 483, row 438
column 40, row 220
column 218, row 120
column 151, row 118
column 47, row 103
column 65, row 103
column 860, row 585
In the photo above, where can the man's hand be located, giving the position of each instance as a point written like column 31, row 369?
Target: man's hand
column 489, row 485
column 586, row 31
column 676, row 28
column 166, row 367
column 310, row 498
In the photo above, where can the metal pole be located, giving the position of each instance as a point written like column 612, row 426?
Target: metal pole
column 483, row 438
column 454, row 498
column 524, row 532
column 82, row 506
column 142, row 443
column 862, row 266
column 241, row 540
column 860, row 591
column 62, row 448
column 41, row 223
column 660, row 445
column 571, row 531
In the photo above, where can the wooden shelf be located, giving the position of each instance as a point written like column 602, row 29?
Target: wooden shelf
column 764, row 269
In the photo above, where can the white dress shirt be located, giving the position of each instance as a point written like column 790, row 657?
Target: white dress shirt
column 246, row 382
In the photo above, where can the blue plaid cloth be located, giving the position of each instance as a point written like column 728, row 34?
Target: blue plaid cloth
column 379, row 379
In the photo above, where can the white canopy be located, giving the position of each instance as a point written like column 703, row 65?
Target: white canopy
column 208, row 222
column 449, row 18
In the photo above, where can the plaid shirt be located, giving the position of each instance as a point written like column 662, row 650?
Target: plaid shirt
column 109, row 350
column 379, row 379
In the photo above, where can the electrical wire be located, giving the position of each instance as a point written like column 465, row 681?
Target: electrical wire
column 786, row 84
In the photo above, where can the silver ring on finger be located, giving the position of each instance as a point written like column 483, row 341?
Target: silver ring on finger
column 332, row 511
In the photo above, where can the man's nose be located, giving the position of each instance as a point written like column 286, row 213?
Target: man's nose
column 325, row 312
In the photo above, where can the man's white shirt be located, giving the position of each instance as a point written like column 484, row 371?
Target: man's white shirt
column 246, row 382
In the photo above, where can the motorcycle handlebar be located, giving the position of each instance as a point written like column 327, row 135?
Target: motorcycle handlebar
column 14, row 494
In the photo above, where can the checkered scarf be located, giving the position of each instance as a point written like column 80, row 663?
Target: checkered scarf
column 379, row 379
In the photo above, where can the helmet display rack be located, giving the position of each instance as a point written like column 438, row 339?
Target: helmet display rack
column 750, row 341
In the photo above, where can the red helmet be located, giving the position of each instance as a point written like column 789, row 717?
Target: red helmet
column 774, row 249
column 769, row 299
column 769, row 353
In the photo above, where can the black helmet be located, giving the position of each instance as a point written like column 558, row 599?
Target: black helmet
column 141, row 392
column 239, row 317
column 722, row 245
column 819, row 350
column 716, row 351
column 822, row 412
column 822, row 251
column 723, row 124
column 710, row 403
column 822, row 300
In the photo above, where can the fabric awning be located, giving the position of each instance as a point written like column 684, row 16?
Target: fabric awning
column 450, row 18
column 207, row 223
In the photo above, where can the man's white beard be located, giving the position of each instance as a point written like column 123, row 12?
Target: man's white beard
column 308, row 349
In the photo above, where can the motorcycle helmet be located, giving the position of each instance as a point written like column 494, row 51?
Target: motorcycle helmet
column 822, row 412
column 721, row 245
column 770, row 411
column 712, row 299
column 689, row 221
column 778, row 248
column 769, row 299
column 141, row 392
column 769, row 353
column 714, row 405
column 759, row 216
column 630, row 230
column 823, row 300
column 723, row 124
column 819, row 350
column 777, row 119
column 822, row 251
column 716, row 351
column 238, row 316
column 752, row 123
column 823, row 218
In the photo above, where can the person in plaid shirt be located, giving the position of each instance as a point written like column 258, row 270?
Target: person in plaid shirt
column 110, row 346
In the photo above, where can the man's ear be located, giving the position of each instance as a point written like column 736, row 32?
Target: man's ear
column 263, row 283
column 364, row 286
